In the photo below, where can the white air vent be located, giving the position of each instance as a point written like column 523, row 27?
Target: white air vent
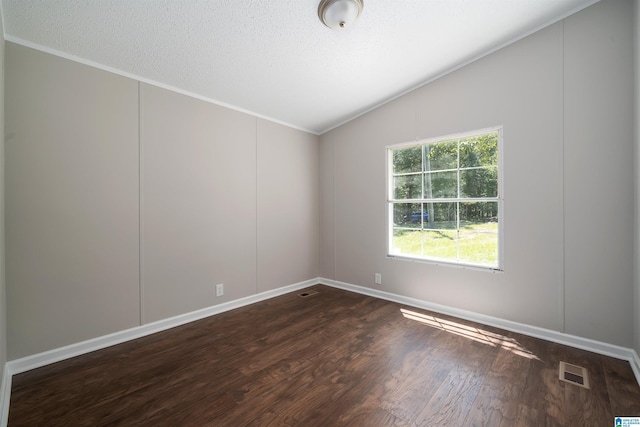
column 573, row 374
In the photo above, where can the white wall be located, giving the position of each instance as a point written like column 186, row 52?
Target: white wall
column 288, row 206
column 561, row 270
column 327, row 235
column 71, row 202
column 82, row 205
column 127, row 203
column 598, row 129
column 3, row 309
column 636, row 21
column 227, row 198
column 198, row 198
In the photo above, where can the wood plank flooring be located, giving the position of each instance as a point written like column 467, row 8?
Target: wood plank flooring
column 335, row 358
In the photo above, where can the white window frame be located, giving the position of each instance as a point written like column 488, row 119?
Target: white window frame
column 390, row 200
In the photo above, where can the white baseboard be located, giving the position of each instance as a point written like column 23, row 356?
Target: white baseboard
column 41, row 359
column 605, row 349
column 5, row 396
column 635, row 365
column 45, row 358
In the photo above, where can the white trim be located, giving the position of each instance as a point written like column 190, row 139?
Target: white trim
column 392, row 201
column 52, row 356
column 445, row 138
column 445, row 262
column 89, row 63
column 331, row 127
column 38, row 360
column 462, row 65
column 41, row 359
column 5, row 396
column 534, row 331
column 635, row 364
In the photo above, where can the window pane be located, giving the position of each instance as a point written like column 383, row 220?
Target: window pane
column 479, row 233
column 407, row 160
column 479, row 213
column 479, row 151
column 478, row 248
column 407, row 242
column 440, row 244
column 442, row 155
column 407, row 187
column 407, row 215
column 453, row 183
column 441, row 216
column 479, row 182
column 438, row 185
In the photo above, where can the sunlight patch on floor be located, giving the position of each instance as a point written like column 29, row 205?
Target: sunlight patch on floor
column 476, row 334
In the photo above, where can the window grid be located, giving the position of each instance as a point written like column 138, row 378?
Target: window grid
column 425, row 175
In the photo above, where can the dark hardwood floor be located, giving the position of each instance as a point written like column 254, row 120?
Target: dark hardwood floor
column 335, row 358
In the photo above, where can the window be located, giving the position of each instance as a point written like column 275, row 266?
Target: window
column 444, row 201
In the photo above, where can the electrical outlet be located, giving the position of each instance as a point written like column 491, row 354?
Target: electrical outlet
column 378, row 279
column 220, row 290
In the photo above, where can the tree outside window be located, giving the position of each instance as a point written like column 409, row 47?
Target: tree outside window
column 444, row 199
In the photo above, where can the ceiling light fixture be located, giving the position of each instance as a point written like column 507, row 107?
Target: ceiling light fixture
column 339, row 13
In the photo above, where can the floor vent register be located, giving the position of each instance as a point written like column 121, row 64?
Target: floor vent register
column 574, row 374
column 308, row 293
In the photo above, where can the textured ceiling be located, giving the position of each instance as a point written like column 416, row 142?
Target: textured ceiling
column 273, row 58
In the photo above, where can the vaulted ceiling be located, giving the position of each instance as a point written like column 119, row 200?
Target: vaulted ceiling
column 274, row 58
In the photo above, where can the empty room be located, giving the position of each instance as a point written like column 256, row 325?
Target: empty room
column 320, row 213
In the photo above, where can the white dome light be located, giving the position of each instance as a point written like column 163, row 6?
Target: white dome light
column 339, row 13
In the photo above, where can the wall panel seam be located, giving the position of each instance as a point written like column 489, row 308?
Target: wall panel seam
column 140, row 212
column 257, row 265
column 562, row 293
